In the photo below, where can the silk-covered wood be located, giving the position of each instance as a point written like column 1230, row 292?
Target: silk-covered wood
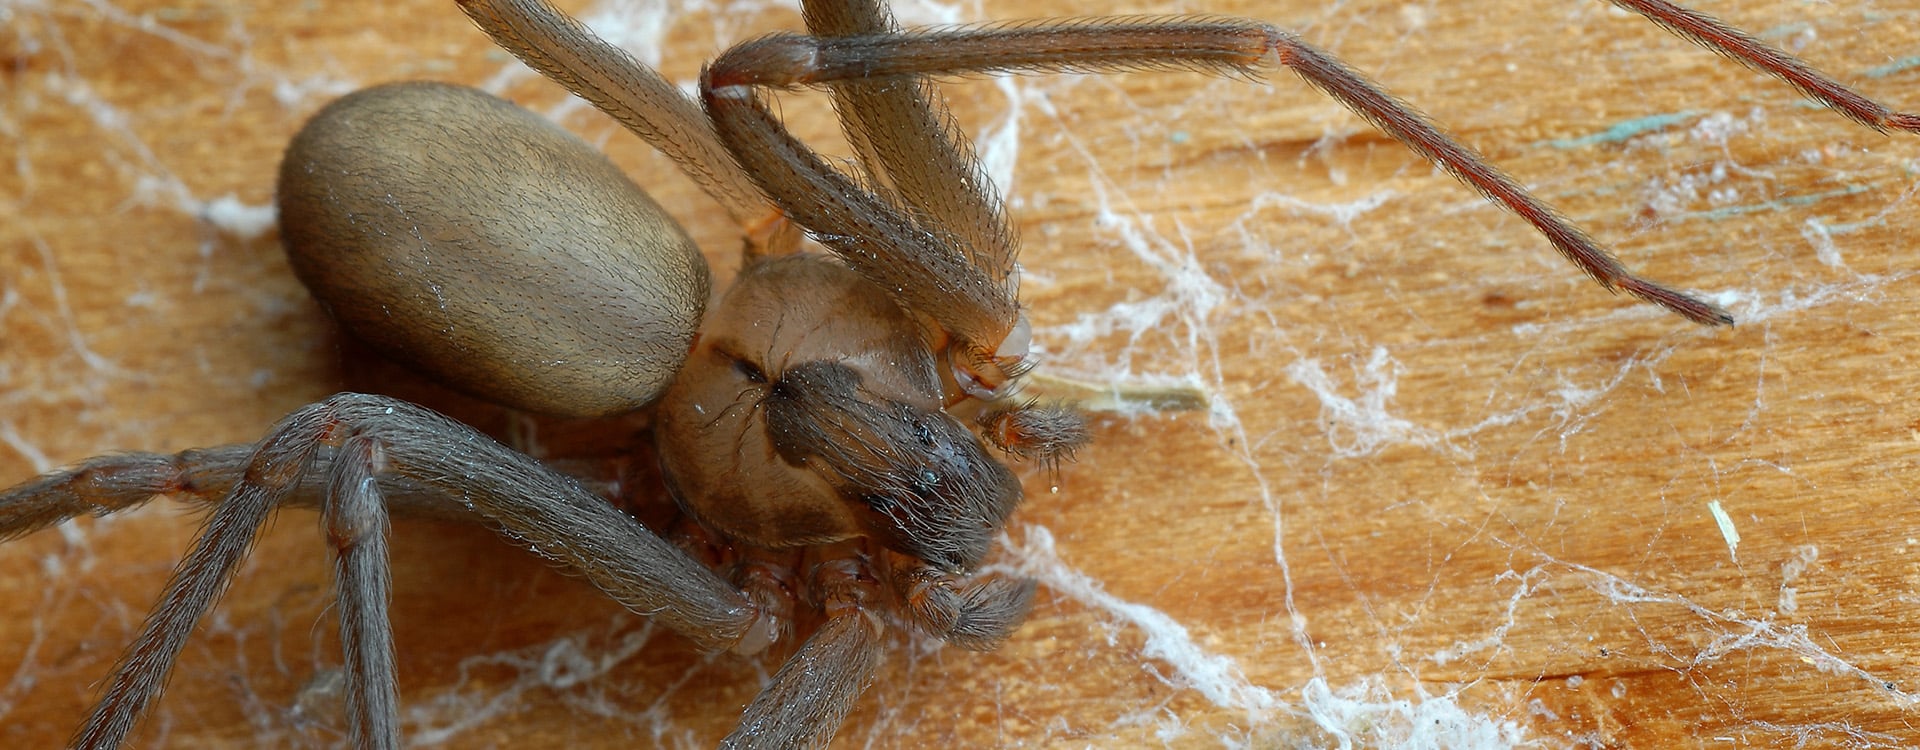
column 1493, row 486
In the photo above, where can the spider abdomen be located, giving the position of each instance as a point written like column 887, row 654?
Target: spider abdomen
column 474, row 241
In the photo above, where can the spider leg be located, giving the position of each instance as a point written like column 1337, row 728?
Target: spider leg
column 272, row 470
column 121, row 481
column 976, row 613
column 813, row 691
column 551, row 515
column 564, row 51
column 375, row 442
column 1743, row 48
column 355, row 518
column 810, row 696
column 913, row 149
column 113, row 483
column 355, row 512
column 916, row 160
column 1101, row 45
column 921, row 268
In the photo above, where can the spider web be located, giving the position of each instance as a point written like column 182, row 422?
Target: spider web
column 1446, row 493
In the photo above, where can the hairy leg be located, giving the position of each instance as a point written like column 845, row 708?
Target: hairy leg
column 365, row 445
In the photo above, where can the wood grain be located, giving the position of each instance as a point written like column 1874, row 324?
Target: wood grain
column 1447, row 485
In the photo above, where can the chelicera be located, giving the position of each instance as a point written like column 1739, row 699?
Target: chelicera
column 810, row 425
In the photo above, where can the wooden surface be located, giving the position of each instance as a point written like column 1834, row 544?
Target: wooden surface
column 1449, row 492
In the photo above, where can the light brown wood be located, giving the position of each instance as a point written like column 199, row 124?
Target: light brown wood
column 1442, row 469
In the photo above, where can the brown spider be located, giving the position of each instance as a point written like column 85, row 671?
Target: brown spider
column 970, row 325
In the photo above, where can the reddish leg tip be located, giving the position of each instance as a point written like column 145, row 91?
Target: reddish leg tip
column 1692, row 309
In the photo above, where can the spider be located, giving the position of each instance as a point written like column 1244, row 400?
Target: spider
column 976, row 371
